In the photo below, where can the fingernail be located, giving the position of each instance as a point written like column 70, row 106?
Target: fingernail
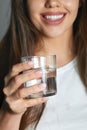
column 30, row 63
column 43, row 85
column 38, row 72
column 45, row 99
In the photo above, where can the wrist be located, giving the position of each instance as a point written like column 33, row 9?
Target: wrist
column 8, row 119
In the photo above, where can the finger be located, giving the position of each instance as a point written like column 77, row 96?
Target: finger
column 20, row 80
column 26, row 91
column 20, row 106
column 16, row 106
column 34, row 102
column 18, row 68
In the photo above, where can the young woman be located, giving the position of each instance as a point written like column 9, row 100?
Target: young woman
column 44, row 27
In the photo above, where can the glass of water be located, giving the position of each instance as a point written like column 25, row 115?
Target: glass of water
column 48, row 66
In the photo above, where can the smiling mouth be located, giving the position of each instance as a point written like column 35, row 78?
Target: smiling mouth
column 53, row 18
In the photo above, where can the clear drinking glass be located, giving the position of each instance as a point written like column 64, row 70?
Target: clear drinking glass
column 48, row 66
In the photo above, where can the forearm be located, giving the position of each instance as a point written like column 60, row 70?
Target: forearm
column 9, row 121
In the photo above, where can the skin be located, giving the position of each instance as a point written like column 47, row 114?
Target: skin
column 41, row 6
column 62, row 37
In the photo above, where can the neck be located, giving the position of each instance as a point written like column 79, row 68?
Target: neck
column 62, row 47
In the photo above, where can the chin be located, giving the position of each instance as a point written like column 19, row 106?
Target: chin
column 53, row 35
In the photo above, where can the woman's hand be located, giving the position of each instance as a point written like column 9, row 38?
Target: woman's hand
column 15, row 92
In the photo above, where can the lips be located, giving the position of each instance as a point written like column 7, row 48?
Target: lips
column 53, row 18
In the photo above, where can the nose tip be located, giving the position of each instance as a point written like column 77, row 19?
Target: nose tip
column 52, row 3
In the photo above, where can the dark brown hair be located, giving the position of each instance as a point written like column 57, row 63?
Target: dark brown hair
column 22, row 34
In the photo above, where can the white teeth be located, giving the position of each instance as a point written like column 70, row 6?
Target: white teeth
column 54, row 17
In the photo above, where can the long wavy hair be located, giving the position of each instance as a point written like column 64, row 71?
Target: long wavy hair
column 20, row 40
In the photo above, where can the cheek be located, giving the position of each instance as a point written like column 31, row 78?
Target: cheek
column 34, row 9
column 71, row 5
column 34, row 6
